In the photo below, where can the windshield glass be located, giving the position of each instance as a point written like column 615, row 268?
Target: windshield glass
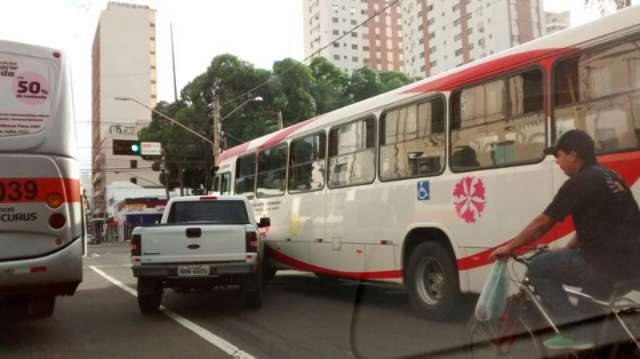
column 346, row 178
column 214, row 212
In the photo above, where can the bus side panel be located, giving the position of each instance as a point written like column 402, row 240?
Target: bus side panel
column 513, row 197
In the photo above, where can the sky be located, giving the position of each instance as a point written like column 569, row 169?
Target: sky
column 257, row 31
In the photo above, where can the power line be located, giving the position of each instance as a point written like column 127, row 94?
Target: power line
column 383, row 10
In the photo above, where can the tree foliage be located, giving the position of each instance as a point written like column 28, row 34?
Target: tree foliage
column 297, row 90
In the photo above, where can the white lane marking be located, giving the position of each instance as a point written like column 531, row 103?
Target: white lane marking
column 222, row 344
column 110, row 266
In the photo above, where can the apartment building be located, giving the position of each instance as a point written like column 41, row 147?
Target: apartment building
column 440, row 35
column 124, row 65
column 376, row 44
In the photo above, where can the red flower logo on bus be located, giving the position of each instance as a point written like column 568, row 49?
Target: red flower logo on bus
column 469, row 198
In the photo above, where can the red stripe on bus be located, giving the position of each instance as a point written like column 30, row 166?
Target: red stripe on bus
column 491, row 68
column 626, row 164
column 271, row 142
column 68, row 187
column 233, row 151
column 280, row 136
column 300, row 265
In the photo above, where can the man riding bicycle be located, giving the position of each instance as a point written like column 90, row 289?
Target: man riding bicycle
column 606, row 247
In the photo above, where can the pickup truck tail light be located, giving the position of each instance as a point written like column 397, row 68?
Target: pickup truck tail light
column 136, row 247
column 252, row 242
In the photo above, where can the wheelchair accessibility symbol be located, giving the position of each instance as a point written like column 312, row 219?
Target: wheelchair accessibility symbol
column 424, row 192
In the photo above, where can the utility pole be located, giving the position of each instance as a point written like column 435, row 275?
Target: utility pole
column 280, row 120
column 164, row 173
column 173, row 60
column 217, row 130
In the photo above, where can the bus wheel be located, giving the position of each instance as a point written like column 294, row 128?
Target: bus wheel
column 42, row 307
column 432, row 281
column 149, row 295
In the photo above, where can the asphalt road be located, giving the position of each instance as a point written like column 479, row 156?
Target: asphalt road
column 301, row 317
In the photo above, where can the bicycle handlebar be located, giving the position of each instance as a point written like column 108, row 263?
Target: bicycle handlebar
column 524, row 259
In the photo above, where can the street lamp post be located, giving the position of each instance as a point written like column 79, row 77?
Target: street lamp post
column 217, row 122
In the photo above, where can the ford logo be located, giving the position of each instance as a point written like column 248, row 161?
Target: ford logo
column 193, row 246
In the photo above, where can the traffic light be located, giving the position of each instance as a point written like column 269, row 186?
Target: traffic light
column 126, row 147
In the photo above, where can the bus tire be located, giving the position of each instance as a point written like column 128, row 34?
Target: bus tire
column 149, row 295
column 42, row 307
column 432, row 281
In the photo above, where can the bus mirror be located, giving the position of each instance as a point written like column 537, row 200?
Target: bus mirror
column 264, row 222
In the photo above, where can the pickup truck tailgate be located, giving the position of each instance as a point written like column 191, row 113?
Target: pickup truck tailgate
column 194, row 243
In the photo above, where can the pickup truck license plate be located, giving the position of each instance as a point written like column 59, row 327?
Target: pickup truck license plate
column 193, row 270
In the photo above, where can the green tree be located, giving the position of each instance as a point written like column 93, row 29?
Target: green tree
column 330, row 85
column 363, row 83
column 391, row 80
column 293, row 83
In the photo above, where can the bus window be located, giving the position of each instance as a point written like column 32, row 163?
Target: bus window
column 307, row 163
column 352, row 156
column 599, row 92
column 216, row 184
column 499, row 123
column 272, row 171
column 245, row 175
column 412, row 141
column 221, row 183
column 225, row 183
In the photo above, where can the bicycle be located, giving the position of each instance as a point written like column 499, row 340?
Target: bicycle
column 518, row 332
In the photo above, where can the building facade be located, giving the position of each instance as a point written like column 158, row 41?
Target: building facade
column 419, row 37
column 440, row 35
column 124, row 65
column 376, row 44
column 556, row 21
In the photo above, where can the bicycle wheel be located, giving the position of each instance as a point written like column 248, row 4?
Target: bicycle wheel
column 506, row 338
column 627, row 349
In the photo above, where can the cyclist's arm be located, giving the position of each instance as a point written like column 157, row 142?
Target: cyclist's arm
column 532, row 232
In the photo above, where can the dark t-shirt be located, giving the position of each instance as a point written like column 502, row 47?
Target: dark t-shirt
column 606, row 217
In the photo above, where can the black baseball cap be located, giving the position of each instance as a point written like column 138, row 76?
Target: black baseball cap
column 574, row 140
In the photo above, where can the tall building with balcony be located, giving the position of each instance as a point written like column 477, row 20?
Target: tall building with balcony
column 440, row 35
column 556, row 21
column 377, row 44
column 124, row 65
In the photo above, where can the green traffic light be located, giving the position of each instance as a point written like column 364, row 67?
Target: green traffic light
column 135, row 148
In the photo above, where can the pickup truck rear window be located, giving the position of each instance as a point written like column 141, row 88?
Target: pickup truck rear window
column 213, row 212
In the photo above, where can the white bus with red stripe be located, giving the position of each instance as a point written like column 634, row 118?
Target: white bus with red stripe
column 41, row 223
column 417, row 186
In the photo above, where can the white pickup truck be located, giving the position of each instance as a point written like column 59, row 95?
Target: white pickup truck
column 202, row 242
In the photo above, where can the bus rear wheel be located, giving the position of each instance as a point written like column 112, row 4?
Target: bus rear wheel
column 42, row 307
column 432, row 281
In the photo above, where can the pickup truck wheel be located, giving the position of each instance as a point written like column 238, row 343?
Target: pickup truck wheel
column 251, row 289
column 42, row 307
column 149, row 295
column 268, row 274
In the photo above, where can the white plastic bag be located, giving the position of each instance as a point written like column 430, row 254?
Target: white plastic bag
column 493, row 298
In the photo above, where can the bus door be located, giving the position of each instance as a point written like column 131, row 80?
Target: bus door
column 306, row 184
column 351, row 172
